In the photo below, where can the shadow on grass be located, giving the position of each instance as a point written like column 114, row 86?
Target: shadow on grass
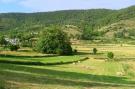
column 49, row 76
column 97, row 54
column 125, row 59
column 14, row 56
column 82, row 53
column 24, row 50
column 54, row 81
column 86, row 53
column 40, row 63
column 116, row 59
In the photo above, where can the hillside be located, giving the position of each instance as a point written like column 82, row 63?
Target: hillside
column 74, row 17
column 85, row 20
column 121, row 29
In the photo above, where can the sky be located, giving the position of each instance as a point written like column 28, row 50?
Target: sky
column 54, row 5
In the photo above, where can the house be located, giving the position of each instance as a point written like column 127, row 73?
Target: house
column 14, row 41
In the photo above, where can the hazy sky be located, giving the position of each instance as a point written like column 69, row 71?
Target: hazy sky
column 52, row 5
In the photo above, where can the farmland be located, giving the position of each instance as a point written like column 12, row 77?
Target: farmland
column 68, row 49
column 94, row 73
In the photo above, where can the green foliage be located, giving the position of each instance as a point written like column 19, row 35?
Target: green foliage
column 59, row 51
column 132, row 32
column 25, row 38
column 119, row 34
column 3, row 42
column 88, row 33
column 2, row 86
column 13, row 47
column 54, row 41
column 75, row 51
column 95, row 51
column 110, row 55
column 74, row 17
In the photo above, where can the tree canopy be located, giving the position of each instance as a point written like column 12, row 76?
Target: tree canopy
column 54, row 41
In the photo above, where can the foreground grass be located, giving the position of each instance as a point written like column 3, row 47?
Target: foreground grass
column 80, row 76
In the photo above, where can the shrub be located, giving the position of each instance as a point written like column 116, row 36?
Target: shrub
column 2, row 87
column 14, row 47
column 110, row 55
column 94, row 50
column 75, row 50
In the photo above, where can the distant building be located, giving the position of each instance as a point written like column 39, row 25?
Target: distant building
column 14, row 41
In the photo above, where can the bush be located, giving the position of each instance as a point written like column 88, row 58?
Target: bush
column 14, row 47
column 94, row 50
column 2, row 87
column 110, row 55
column 75, row 50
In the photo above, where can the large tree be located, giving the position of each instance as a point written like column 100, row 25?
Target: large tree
column 54, row 41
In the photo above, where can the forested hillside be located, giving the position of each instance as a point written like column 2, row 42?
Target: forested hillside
column 74, row 17
column 86, row 20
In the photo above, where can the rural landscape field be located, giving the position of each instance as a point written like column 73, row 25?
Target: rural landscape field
column 93, row 73
column 67, row 48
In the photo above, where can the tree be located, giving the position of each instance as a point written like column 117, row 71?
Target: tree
column 26, row 39
column 54, row 41
column 110, row 55
column 94, row 50
column 13, row 47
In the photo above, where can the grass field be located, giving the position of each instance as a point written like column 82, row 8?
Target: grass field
column 94, row 73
